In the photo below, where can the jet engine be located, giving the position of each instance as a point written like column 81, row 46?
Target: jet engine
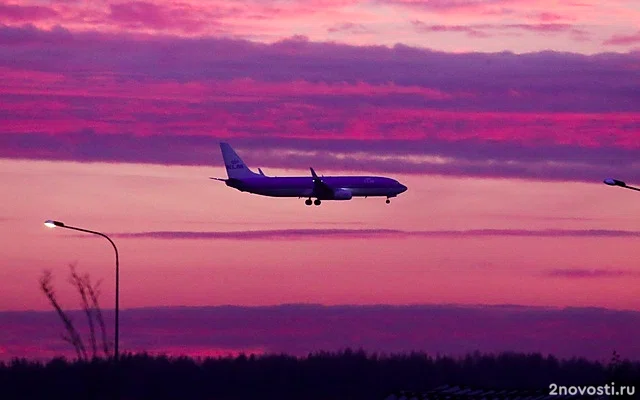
column 342, row 194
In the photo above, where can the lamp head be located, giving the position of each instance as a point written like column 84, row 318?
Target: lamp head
column 52, row 224
column 614, row 182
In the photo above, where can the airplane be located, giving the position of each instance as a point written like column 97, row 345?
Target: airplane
column 240, row 177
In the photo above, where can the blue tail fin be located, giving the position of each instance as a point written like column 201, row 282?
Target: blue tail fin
column 236, row 168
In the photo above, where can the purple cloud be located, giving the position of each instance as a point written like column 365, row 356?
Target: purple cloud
column 449, row 5
column 303, row 234
column 466, row 158
column 123, row 98
column 19, row 13
column 623, row 40
column 146, row 59
column 551, row 17
column 592, row 273
column 349, row 27
column 470, row 30
column 488, row 30
column 180, row 17
column 300, row 329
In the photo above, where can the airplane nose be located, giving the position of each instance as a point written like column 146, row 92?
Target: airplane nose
column 403, row 188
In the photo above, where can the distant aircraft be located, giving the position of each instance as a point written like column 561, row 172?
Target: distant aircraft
column 320, row 188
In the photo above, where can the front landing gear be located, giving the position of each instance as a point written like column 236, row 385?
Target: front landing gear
column 388, row 201
column 309, row 202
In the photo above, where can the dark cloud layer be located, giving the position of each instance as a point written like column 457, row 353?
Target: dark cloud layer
column 300, row 329
column 471, row 158
column 306, row 234
column 163, row 99
column 592, row 273
column 603, row 82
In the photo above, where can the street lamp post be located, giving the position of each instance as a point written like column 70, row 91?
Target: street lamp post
column 616, row 182
column 54, row 224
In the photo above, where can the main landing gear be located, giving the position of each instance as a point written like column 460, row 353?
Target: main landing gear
column 388, row 201
column 316, row 202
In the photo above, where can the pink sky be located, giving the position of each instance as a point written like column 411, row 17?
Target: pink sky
column 505, row 257
column 588, row 26
column 501, row 116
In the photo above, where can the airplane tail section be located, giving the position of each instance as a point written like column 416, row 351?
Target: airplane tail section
column 236, row 168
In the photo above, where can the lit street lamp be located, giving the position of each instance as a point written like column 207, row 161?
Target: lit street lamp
column 54, row 224
column 615, row 182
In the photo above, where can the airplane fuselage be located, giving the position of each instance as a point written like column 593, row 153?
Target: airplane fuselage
column 357, row 186
column 319, row 187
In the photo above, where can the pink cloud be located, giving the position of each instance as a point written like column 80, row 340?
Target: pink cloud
column 103, row 91
column 593, row 273
column 23, row 13
column 482, row 30
column 184, row 17
column 544, row 10
column 473, row 31
column 349, row 27
column 479, row 11
column 551, row 17
column 193, row 18
column 453, row 5
column 623, row 40
column 353, row 21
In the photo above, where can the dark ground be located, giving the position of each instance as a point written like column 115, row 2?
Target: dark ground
column 345, row 375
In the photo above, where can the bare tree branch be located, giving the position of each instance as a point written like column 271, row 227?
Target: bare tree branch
column 73, row 336
column 94, row 293
column 81, row 284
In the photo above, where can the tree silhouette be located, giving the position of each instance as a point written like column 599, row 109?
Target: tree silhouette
column 89, row 295
column 72, row 336
column 79, row 283
column 349, row 374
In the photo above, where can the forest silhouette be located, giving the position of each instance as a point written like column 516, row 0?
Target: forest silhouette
column 348, row 374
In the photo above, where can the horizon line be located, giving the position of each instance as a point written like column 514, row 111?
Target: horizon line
column 502, row 306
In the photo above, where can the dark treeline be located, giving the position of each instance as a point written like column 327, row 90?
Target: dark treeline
column 343, row 375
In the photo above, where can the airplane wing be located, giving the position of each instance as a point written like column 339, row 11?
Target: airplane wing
column 320, row 189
